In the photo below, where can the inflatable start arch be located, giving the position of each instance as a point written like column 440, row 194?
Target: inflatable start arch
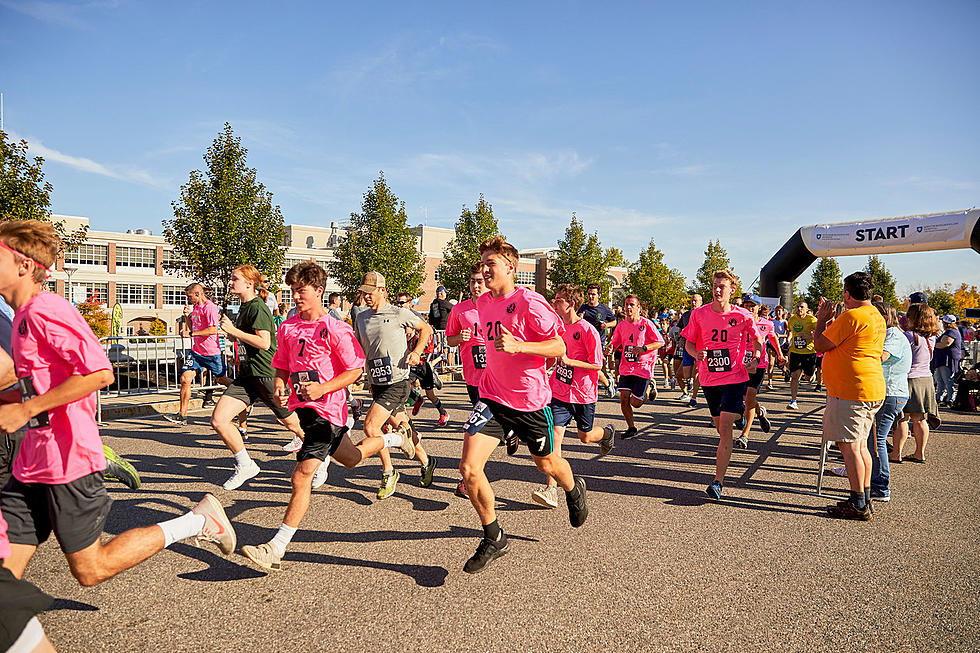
column 913, row 233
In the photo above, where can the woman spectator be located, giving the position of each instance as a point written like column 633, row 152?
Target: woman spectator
column 921, row 408
column 946, row 361
column 896, row 361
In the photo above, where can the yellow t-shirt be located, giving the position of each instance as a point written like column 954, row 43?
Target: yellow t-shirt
column 801, row 334
column 852, row 369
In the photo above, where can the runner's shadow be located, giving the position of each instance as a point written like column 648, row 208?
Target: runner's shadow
column 69, row 604
column 220, row 569
column 423, row 575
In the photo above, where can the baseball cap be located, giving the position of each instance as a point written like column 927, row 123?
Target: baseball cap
column 752, row 297
column 370, row 281
column 918, row 298
column 949, row 318
column 440, row 289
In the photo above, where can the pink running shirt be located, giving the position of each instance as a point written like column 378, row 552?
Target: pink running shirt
column 574, row 385
column 203, row 316
column 52, row 342
column 636, row 334
column 767, row 332
column 4, row 542
column 724, row 336
column 465, row 315
column 519, row 381
column 318, row 350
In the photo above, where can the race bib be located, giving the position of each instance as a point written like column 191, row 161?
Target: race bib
column 719, row 360
column 564, row 373
column 478, row 418
column 27, row 391
column 380, row 371
column 747, row 358
column 479, row 356
column 304, row 376
column 188, row 359
column 799, row 342
column 632, row 354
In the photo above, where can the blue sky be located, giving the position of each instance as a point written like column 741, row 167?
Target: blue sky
column 673, row 121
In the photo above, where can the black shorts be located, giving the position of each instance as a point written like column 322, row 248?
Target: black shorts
column 75, row 511
column 20, row 601
column 756, row 378
column 424, row 374
column 392, row 397
column 728, row 398
column 805, row 362
column 534, row 428
column 564, row 412
column 253, row 389
column 473, row 393
column 321, row 438
column 637, row 385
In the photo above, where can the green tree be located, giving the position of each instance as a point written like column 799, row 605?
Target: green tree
column 884, row 282
column 580, row 259
column 715, row 258
column 25, row 195
column 615, row 258
column 942, row 301
column 825, row 282
column 379, row 239
column 658, row 286
column 225, row 218
column 472, row 228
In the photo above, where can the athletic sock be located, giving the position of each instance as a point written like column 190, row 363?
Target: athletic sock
column 414, row 396
column 388, row 470
column 242, row 459
column 857, row 500
column 492, row 531
column 867, row 495
column 438, row 404
column 282, row 539
column 393, row 439
column 180, row 528
column 574, row 493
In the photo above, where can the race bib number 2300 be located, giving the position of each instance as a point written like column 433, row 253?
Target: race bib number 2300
column 719, row 360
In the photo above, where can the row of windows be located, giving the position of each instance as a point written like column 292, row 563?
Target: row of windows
column 136, row 293
column 136, row 257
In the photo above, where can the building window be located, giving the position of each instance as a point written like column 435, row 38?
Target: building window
column 89, row 291
column 437, row 274
column 286, row 297
column 141, row 294
column 136, row 257
column 174, row 265
column 88, row 254
column 525, row 278
column 174, row 296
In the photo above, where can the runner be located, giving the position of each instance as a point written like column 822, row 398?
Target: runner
column 602, row 318
column 318, row 356
column 716, row 336
column 763, row 329
column 20, row 603
column 254, row 333
column 688, row 363
column 201, row 317
column 57, row 483
column 381, row 331
column 422, row 376
column 514, row 390
column 575, row 385
column 802, row 355
column 638, row 339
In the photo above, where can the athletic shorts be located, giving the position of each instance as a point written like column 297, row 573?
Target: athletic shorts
column 196, row 363
column 687, row 359
column 771, row 352
column 75, row 512
column 392, row 397
column 253, row 389
column 756, row 378
column 805, row 362
column 424, row 374
column 473, row 392
column 320, row 437
column 534, row 428
column 583, row 414
column 20, row 601
column 729, row 398
column 637, row 385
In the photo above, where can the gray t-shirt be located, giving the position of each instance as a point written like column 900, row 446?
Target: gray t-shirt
column 382, row 337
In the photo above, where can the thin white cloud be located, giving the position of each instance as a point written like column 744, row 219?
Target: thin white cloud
column 64, row 14
column 684, row 171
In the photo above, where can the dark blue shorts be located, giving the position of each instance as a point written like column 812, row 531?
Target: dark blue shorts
column 564, row 412
column 637, row 385
column 196, row 362
column 687, row 360
column 728, row 398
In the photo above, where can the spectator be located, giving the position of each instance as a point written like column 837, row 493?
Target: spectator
column 280, row 314
column 896, row 361
column 439, row 310
column 852, row 345
column 333, row 306
column 946, row 361
column 921, row 408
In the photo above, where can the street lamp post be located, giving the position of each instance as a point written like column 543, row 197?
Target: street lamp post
column 70, row 270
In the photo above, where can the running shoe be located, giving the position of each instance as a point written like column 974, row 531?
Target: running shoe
column 739, row 423
column 714, row 490
column 612, row 391
column 741, row 442
column 884, row 496
column 436, row 380
column 217, row 528
column 684, row 397
column 244, row 433
column 241, row 475
column 119, row 470
column 630, row 433
column 355, row 408
column 693, row 403
column 460, row 490
column 847, row 510
column 264, row 556
column 840, row 470
column 578, row 509
column 673, row 383
column 407, row 446
column 486, row 552
column 608, row 440
column 764, row 422
column 546, row 495
column 293, row 445
column 176, row 418
column 443, row 419
column 208, row 399
column 417, row 406
column 512, row 443
column 769, row 386
column 320, row 475
column 793, row 405
column 388, row 483
column 425, row 478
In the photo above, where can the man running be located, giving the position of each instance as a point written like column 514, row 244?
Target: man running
column 689, row 366
column 638, row 339
column 752, row 303
column 201, row 319
column 318, row 356
column 575, row 384
column 515, row 391
column 57, row 483
column 422, row 376
column 602, row 318
column 381, row 331
column 802, row 355
column 716, row 337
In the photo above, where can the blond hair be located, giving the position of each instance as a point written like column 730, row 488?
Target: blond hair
column 34, row 240
column 497, row 245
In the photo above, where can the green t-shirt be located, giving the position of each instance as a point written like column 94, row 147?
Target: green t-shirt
column 254, row 316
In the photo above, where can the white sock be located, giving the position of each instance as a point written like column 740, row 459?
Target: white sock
column 282, row 539
column 350, row 422
column 180, row 528
column 242, row 459
column 393, row 439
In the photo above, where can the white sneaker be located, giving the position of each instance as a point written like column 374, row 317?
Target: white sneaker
column 294, row 445
column 793, row 405
column 320, row 475
column 840, row 470
column 546, row 495
column 684, row 397
column 241, row 475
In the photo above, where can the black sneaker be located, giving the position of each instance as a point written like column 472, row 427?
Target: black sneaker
column 629, row 433
column 486, row 552
column 739, row 424
column 846, row 510
column 176, row 418
column 741, row 442
column 764, row 422
column 208, row 399
column 512, row 443
column 578, row 509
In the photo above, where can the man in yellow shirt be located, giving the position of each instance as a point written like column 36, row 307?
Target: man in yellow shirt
column 852, row 346
column 802, row 356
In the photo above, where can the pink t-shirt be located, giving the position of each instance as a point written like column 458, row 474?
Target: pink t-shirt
column 766, row 331
column 724, row 336
column 574, row 385
column 318, row 350
column 4, row 542
column 51, row 342
column 465, row 315
column 203, row 316
column 519, row 381
column 629, row 335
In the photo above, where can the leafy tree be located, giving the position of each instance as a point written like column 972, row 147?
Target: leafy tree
column 715, row 258
column 472, row 228
column 225, row 218
column 826, row 282
column 942, row 301
column 884, row 282
column 580, row 259
column 966, row 297
column 24, row 195
column 96, row 317
column 658, row 286
column 615, row 258
column 379, row 239
column 797, row 297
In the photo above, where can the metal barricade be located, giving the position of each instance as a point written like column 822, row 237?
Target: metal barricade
column 450, row 355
